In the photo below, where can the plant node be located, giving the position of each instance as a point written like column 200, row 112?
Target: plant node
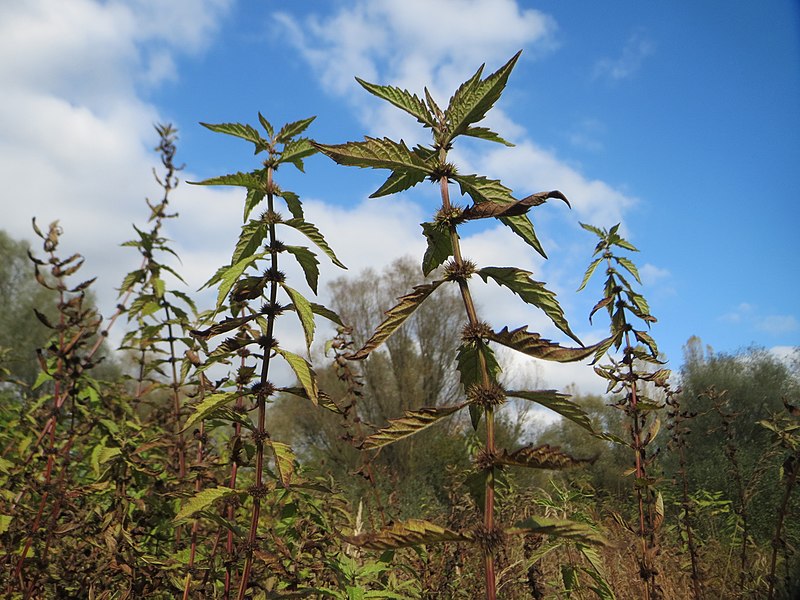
column 476, row 333
column 263, row 389
column 459, row 272
column 271, row 217
column 258, row 491
column 489, row 540
column 485, row 460
column 486, row 395
column 273, row 274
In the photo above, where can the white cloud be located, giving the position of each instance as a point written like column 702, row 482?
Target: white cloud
column 750, row 316
column 636, row 49
column 75, row 134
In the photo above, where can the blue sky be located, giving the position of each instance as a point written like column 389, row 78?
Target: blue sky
column 680, row 119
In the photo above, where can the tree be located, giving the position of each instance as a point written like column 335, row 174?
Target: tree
column 21, row 333
column 416, row 369
column 727, row 395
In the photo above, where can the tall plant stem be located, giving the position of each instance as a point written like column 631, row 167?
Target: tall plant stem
column 489, row 447
column 790, row 479
column 259, row 490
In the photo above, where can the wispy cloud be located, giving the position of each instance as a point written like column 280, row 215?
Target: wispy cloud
column 749, row 315
column 637, row 48
column 76, row 130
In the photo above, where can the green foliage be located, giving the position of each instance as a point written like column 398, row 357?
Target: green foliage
column 476, row 364
column 185, row 469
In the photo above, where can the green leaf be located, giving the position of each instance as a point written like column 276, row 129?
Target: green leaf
column 312, row 233
column 292, row 202
column 595, row 230
column 531, row 292
column 397, row 182
column 207, row 406
column 303, row 309
column 647, row 340
column 201, row 500
column 251, row 238
column 252, row 181
column 309, row 263
column 291, row 130
column 631, row 268
column 284, row 461
column 266, row 125
column 474, row 98
column 323, row 311
column 402, row 99
column 305, row 374
column 396, row 316
column 536, row 346
column 481, row 189
column 470, row 357
column 295, row 151
column 573, row 530
column 440, row 246
column 410, row 423
column 589, row 272
column 540, row 457
column 486, row 134
column 522, row 226
column 228, row 275
column 557, row 402
column 408, row 533
column 377, row 154
column 245, row 132
column 252, row 199
column 5, row 523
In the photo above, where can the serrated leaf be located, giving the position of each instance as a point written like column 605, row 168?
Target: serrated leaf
column 292, row 202
column 251, row 238
column 295, row 151
column 377, row 154
column 658, row 508
column 557, row 402
column 208, row 405
column 522, row 226
column 303, row 309
column 398, row 181
column 396, row 316
column 293, row 129
column 481, row 189
column 284, row 461
column 411, row 422
column 305, row 374
column 201, row 500
column 485, row 133
column 408, row 533
column 629, row 266
column 245, row 132
column 474, row 98
column 531, row 292
column 266, row 125
column 252, row 181
column 403, row 100
column 589, row 272
column 540, row 457
column 312, row 233
column 469, row 358
column 476, row 484
column 647, row 340
column 440, row 246
column 229, row 275
column 326, row 312
column 573, row 530
column 308, row 262
column 252, row 199
column 515, row 208
column 536, row 346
